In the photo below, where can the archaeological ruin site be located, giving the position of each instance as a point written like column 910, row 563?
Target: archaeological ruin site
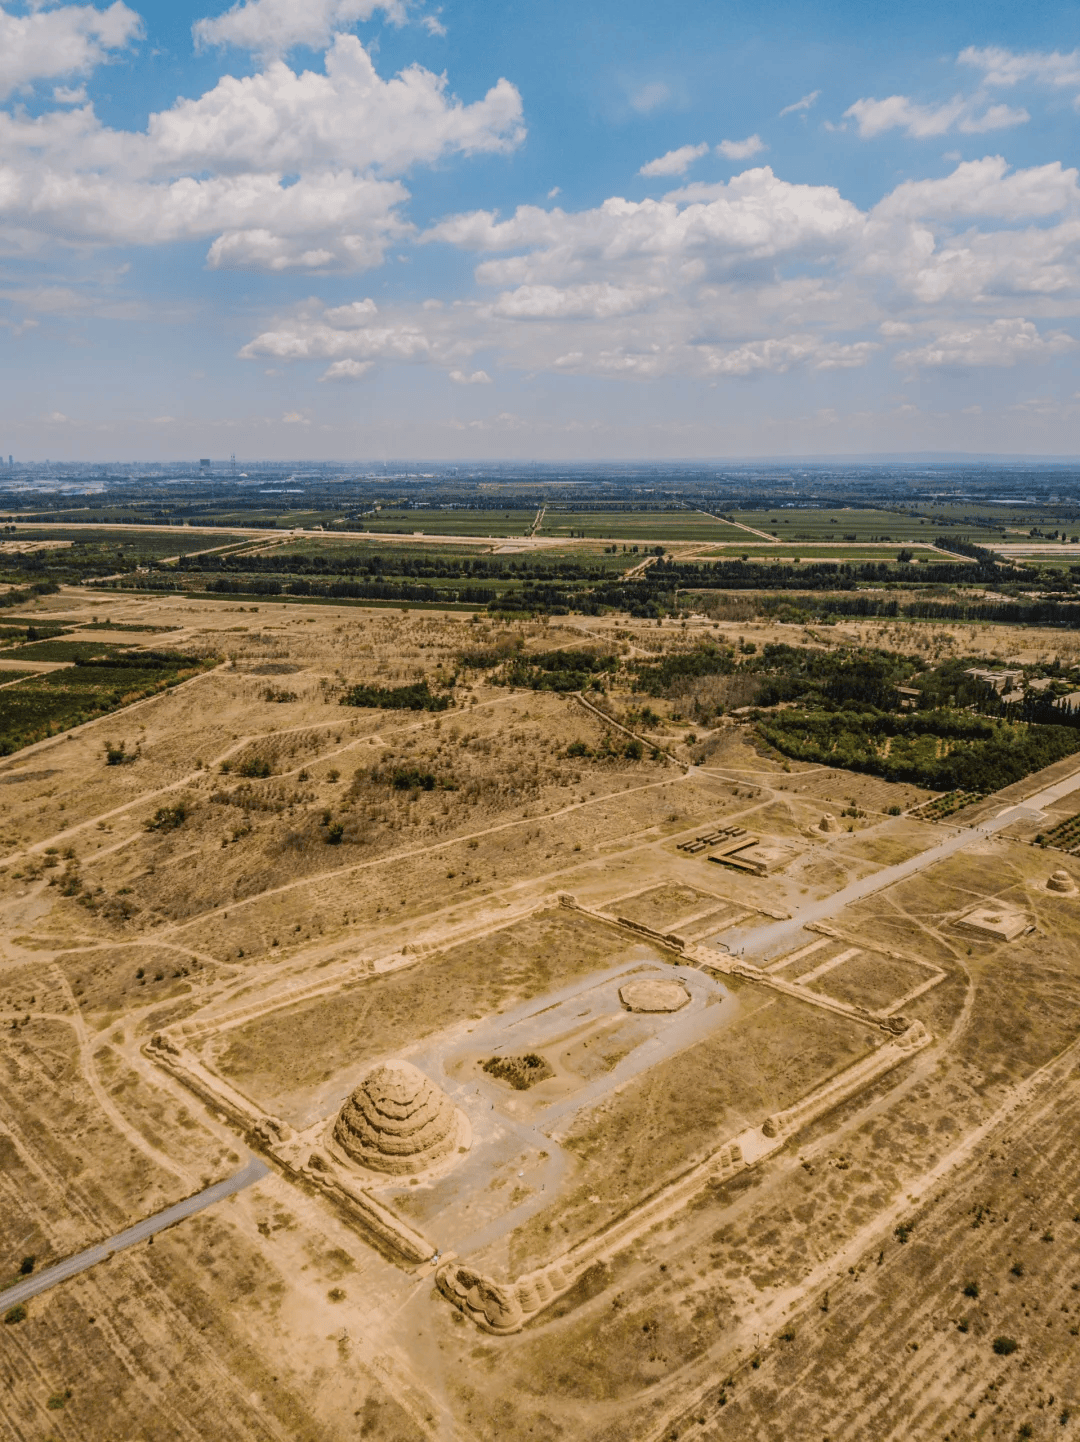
column 576, row 1061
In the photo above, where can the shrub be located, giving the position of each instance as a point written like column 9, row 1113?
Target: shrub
column 254, row 766
column 1005, row 1346
column 26, row 1266
column 168, row 818
column 15, row 1314
column 411, row 778
column 417, row 697
column 971, row 1289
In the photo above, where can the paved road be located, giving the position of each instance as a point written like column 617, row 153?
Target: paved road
column 140, row 1232
column 764, row 942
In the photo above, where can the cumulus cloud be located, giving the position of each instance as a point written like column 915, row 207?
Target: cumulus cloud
column 347, row 370
column 737, row 280
column 473, row 378
column 986, row 188
column 1006, row 67
column 780, row 354
column 593, row 302
column 279, row 170
column 272, row 27
column 1004, row 342
column 753, row 216
column 801, row 106
column 898, row 112
column 675, row 162
column 70, row 40
column 741, row 149
column 998, row 343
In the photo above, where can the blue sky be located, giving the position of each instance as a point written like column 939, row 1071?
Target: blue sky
column 342, row 229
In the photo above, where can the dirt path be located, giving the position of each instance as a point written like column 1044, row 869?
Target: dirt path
column 87, row 1046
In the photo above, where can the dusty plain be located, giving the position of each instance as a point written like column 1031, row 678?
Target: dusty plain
column 806, row 1204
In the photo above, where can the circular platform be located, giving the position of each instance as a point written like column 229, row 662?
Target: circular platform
column 654, row 993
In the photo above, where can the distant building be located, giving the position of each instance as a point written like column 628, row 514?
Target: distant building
column 204, row 467
column 997, row 680
column 909, row 697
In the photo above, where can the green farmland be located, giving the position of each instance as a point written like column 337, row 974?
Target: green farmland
column 814, row 551
column 456, row 521
column 45, row 704
column 639, row 526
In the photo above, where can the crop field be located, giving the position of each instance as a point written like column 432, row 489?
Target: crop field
column 104, row 544
column 853, row 526
column 786, row 550
column 458, row 521
column 345, row 547
column 673, row 525
column 43, row 704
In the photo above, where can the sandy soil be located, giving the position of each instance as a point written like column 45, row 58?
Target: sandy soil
column 818, row 1293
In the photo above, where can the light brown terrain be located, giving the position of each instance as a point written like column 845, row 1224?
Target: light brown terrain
column 752, row 1215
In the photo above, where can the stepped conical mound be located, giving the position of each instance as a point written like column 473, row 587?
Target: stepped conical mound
column 397, row 1121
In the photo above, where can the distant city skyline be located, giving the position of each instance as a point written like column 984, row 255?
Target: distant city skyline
column 387, row 228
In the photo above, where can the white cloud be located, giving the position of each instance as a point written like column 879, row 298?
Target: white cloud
column 741, row 149
column 754, row 215
column 751, row 277
column 985, row 187
column 347, row 370
column 554, row 191
column 1007, row 68
column 647, row 98
column 296, row 418
column 594, row 302
column 272, row 27
column 780, row 354
column 68, row 40
column 1000, row 343
column 280, row 121
column 801, row 106
column 475, row 378
column 675, row 162
column 921, row 122
column 280, row 170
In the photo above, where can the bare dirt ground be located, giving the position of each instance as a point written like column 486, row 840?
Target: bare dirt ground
column 308, row 914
